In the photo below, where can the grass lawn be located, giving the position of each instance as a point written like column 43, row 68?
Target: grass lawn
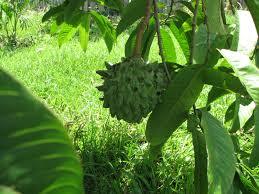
column 114, row 153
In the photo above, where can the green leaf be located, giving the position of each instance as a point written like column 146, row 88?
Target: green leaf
column 254, row 158
column 222, row 161
column 243, row 42
column 214, row 17
column 182, row 42
column 243, row 111
column 230, row 112
column 180, row 96
column 84, row 31
column 200, row 154
column 66, row 33
column 106, row 29
column 243, row 184
column 36, row 155
column 223, row 80
column 114, row 4
column 202, row 47
column 7, row 190
column 188, row 5
column 215, row 93
column 173, row 45
column 71, row 9
column 253, row 6
column 54, row 11
column 247, row 72
column 131, row 13
column 168, row 45
column 257, row 55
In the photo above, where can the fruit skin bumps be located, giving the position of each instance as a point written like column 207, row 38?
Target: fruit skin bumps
column 132, row 88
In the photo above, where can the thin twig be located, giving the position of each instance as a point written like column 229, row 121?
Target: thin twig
column 159, row 38
column 170, row 11
column 142, row 28
column 208, row 31
column 194, row 22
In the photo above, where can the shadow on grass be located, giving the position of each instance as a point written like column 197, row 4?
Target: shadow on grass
column 115, row 160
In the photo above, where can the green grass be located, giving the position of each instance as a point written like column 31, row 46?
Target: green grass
column 114, row 153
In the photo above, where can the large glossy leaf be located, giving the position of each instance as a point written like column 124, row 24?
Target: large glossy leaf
column 174, row 42
column 223, row 80
column 180, row 96
column 214, row 17
column 253, row 6
column 254, row 158
column 200, row 154
column 106, row 29
column 36, row 155
column 168, row 44
column 245, row 70
column 131, row 13
column 222, row 161
column 245, row 38
column 84, row 31
column 243, row 111
column 202, row 47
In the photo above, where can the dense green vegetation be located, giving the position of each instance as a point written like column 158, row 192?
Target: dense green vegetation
column 114, row 154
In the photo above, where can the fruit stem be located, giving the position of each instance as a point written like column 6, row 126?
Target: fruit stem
column 141, row 30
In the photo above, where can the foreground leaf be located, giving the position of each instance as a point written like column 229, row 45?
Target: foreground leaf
column 247, row 72
column 222, row 161
column 180, row 96
column 254, row 158
column 36, row 155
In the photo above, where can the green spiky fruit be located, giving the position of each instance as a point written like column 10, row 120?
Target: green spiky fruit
column 132, row 88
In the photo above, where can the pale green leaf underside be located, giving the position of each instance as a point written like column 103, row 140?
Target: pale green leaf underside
column 245, row 70
column 246, row 36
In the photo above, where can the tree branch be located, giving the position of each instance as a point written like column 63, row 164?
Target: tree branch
column 142, row 28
